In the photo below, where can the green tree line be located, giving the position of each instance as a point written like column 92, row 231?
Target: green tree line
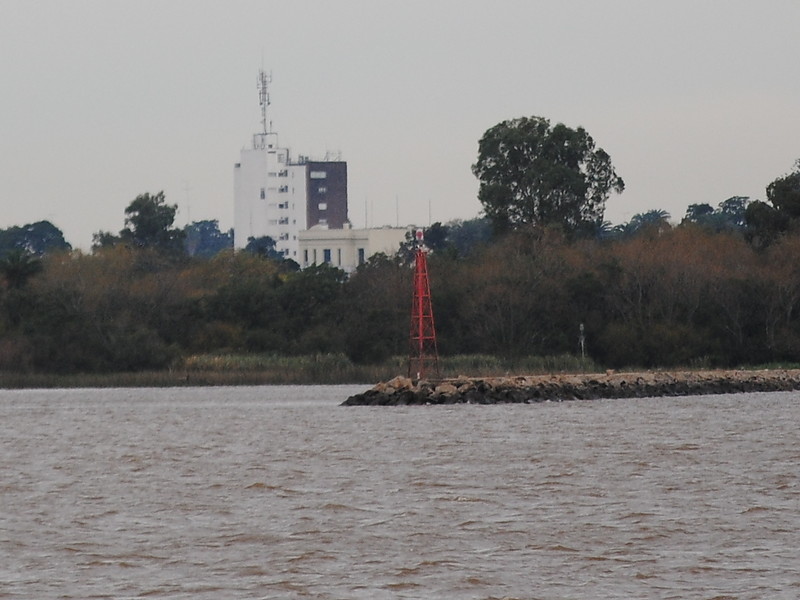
column 668, row 296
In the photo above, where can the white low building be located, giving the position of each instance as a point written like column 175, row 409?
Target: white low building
column 347, row 248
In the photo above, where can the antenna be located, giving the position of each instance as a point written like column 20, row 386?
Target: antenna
column 264, row 79
column 187, row 188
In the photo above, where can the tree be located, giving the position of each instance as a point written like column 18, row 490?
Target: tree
column 34, row 238
column 243, row 300
column 784, row 193
column 532, row 173
column 104, row 239
column 466, row 236
column 375, row 317
column 698, row 213
column 765, row 224
column 728, row 216
column 149, row 223
column 310, row 303
column 204, row 239
column 434, row 239
column 436, row 236
column 18, row 267
column 734, row 210
column 766, row 221
column 517, row 307
column 100, row 312
column 263, row 246
column 651, row 221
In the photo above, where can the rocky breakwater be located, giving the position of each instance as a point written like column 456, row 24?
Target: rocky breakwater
column 402, row 391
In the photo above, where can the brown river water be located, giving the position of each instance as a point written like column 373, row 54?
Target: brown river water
column 277, row 492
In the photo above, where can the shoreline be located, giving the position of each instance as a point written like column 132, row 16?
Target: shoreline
column 402, row 391
column 10, row 382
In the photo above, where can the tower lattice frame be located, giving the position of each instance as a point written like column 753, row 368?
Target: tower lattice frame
column 424, row 354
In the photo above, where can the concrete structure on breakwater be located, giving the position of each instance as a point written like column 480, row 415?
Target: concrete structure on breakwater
column 402, row 391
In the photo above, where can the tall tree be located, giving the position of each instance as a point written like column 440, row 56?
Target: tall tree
column 784, row 193
column 766, row 221
column 148, row 223
column 532, row 173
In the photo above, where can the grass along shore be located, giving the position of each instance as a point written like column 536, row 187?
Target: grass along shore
column 273, row 369
column 317, row 369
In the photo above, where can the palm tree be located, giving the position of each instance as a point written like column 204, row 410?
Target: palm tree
column 18, row 267
column 652, row 220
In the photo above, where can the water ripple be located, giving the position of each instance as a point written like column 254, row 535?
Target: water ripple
column 278, row 493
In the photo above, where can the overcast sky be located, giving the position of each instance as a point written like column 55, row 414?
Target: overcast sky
column 102, row 100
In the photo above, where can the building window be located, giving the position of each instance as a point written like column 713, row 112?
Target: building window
column 315, row 256
column 317, row 174
column 305, row 257
column 338, row 257
column 322, row 189
column 326, row 255
column 283, row 221
column 323, row 206
column 361, row 256
column 263, row 193
column 323, row 221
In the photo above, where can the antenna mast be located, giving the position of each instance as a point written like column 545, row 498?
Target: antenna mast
column 264, row 79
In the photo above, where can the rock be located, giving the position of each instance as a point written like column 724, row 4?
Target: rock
column 487, row 390
column 400, row 383
column 445, row 389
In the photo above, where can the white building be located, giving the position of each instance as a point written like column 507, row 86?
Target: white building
column 278, row 197
column 347, row 248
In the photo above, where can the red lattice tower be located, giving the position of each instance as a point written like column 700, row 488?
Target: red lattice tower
column 424, row 355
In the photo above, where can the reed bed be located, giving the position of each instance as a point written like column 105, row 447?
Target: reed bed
column 337, row 368
column 274, row 369
column 317, row 369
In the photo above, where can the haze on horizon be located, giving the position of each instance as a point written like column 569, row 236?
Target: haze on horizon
column 694, row 101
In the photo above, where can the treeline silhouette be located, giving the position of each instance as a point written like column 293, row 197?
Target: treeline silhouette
column 657, row 296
